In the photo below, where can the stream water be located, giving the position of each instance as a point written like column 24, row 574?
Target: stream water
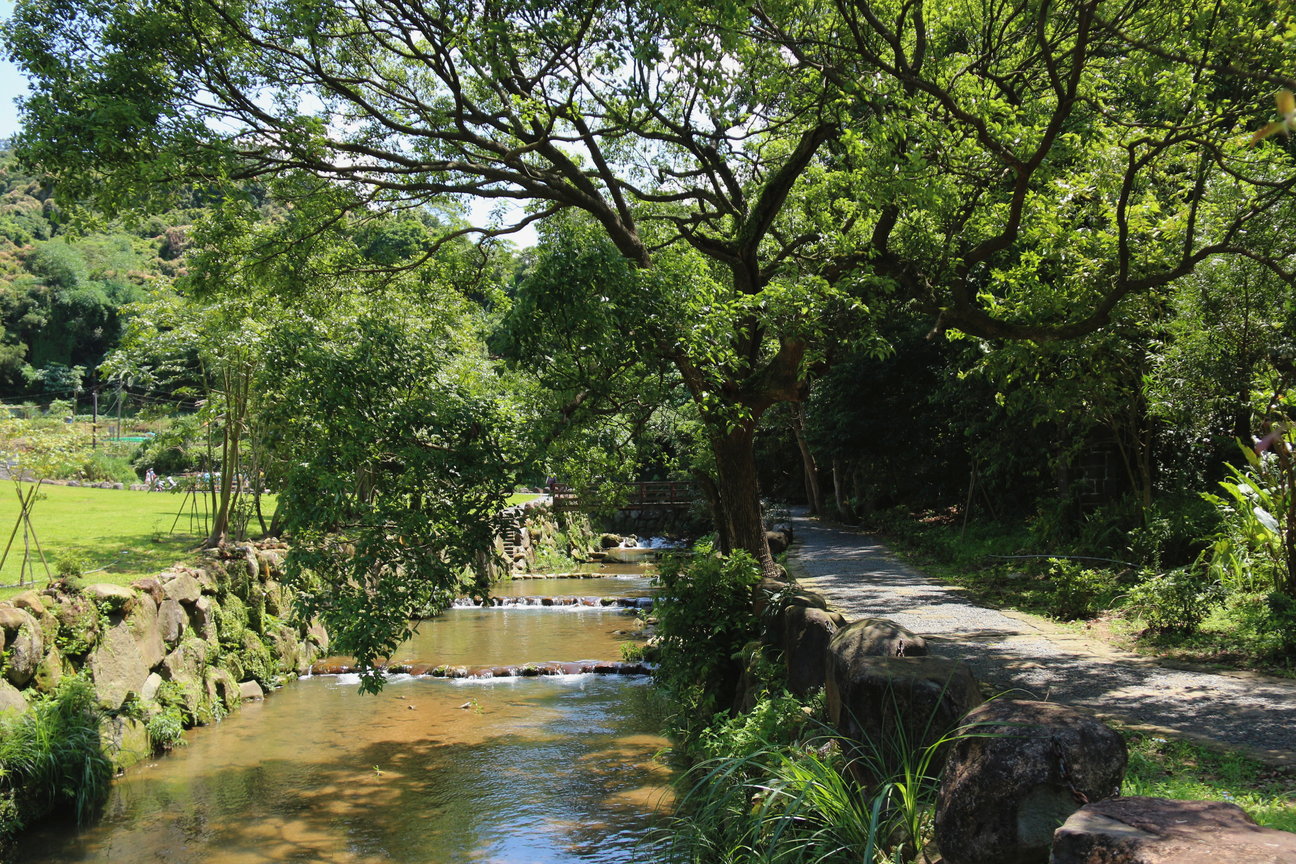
column 547, row 770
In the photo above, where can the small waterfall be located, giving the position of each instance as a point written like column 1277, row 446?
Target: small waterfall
column 557, row 602
column 524, row 670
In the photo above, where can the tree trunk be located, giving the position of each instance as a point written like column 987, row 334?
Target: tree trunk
column 814, row 494
column 739, row 493
column 711, row 493
column 839, row 494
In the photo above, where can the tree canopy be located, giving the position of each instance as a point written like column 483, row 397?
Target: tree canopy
column 1015, row 168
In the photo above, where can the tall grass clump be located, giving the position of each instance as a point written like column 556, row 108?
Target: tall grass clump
column 780, row 787
column 51, row 756
column 783, row 804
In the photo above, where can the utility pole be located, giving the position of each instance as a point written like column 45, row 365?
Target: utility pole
column 94, row 422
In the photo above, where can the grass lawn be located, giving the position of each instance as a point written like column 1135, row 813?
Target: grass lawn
column 121, row 534
column 1169, row 768
column 520, row 498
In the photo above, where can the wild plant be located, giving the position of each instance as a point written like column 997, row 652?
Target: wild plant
column 52, row 753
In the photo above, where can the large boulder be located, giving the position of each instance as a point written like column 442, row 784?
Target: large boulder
column 1139, row 830
column 203, row 618
column 182, row 587
column 172, row 619
column 806, row 634
column 876, row 637
column 31, row 601
column 152, row 587
column 1016, row 772
column 11, row 698
column 117, row 666
column 778, row 541
column 24, row 641
column 143, row 623
column 50, row 671
column 184, row 667
column 892, row 708
column 222, row 690
column 111, row 599
column 127, row 739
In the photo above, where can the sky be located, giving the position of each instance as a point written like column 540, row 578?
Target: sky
column 12, row 85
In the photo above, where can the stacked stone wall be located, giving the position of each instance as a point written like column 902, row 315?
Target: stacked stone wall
column 193, row 642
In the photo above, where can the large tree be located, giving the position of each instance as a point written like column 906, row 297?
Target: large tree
column 1018, row 166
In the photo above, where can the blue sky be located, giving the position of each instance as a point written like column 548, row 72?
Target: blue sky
column 12, row 85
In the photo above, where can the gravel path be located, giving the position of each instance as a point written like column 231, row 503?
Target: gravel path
column 1014, row 651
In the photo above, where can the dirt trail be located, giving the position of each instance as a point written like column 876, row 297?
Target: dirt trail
column 1015, row 651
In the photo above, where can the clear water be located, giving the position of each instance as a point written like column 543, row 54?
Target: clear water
column 518, row 770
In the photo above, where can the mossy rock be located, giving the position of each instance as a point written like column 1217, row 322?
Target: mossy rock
column 113, row 600
column 232, row 620
column 79, row 625
column 255, row 661
column 51, row 670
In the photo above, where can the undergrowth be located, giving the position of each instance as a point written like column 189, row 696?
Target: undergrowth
column 51, row 757
column 1170, row 768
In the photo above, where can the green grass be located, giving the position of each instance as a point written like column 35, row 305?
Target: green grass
column 520, row 498
column 121, row 534
column 1170, row 768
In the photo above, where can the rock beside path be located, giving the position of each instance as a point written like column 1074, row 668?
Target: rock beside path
column 1140, row 830
column 895, row 704
column 1020, row 769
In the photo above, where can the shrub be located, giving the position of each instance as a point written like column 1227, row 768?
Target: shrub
column 1173, row 602
column 51, row 755
column 705, row 617
column 1266, row 620
column 166, row 729
column 1079, row 592
column 774, row 721
column 98, row 467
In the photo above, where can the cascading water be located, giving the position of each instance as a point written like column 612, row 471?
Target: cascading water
column 526, row 768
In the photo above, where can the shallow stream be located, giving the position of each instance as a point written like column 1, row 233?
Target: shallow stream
column 546, row 770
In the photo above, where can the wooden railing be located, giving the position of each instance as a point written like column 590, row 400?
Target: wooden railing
column 646, row 494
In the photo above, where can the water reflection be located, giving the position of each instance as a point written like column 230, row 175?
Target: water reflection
column 522, row 770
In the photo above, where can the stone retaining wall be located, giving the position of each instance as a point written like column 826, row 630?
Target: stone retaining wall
column 193, row 643
column 534, row 527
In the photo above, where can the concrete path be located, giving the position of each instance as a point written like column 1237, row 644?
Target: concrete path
column 1015, row 651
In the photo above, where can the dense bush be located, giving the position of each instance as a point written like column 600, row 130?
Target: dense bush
column 51, row 757
column 1173, row 602
column 705, row 616
column 1080, row 592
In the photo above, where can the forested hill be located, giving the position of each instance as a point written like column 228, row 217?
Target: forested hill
column 62, row 293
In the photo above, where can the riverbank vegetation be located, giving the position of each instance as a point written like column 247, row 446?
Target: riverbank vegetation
column 1011, row 280
column 51, row 756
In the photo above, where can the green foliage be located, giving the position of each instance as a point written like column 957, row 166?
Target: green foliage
column 166, row 729
column 1173, row 602
column 780, row 720
column 1267, row 621
column 705, row 618
column 69, row 565
column 1256, row 549
column 403, row 444
column 51, row 755
column 1173, row 768
column 1079, row 592
column 790, row 798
